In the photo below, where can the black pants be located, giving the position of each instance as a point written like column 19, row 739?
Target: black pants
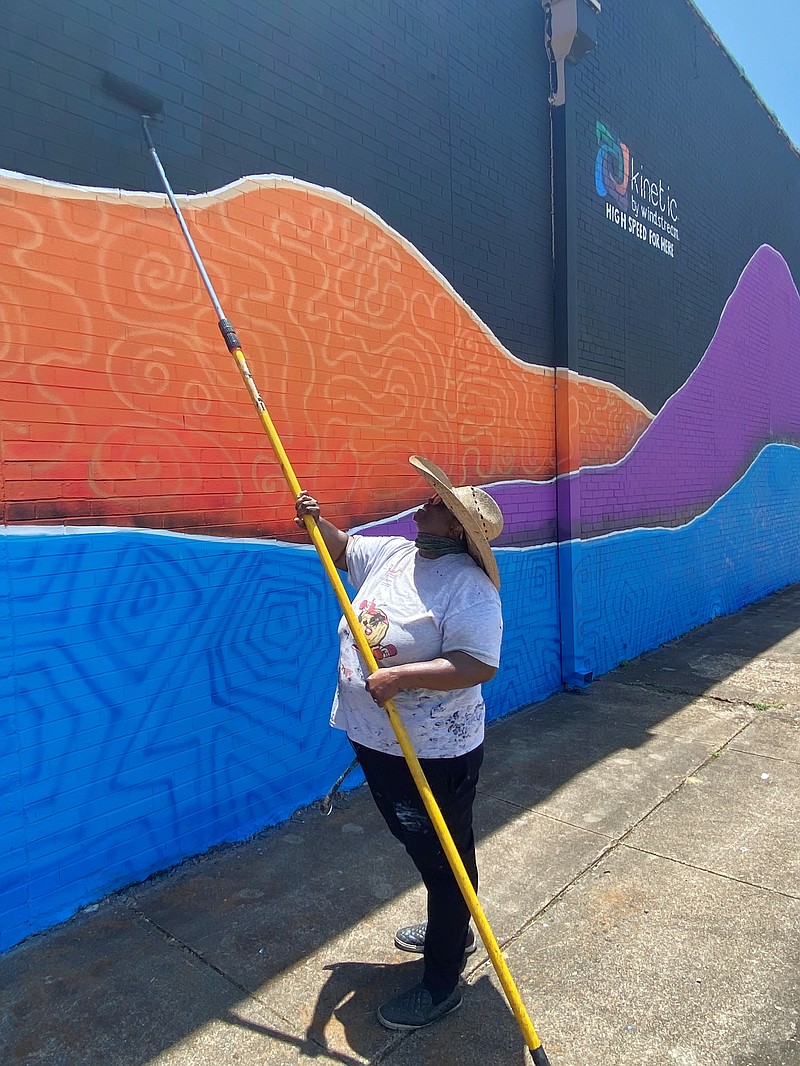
column 453, row 783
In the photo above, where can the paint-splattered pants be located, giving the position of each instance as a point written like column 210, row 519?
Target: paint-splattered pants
column 453, row 783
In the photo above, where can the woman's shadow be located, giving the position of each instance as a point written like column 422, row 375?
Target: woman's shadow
column 351, row 994
column 353, row 991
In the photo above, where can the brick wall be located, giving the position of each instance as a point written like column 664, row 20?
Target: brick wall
column 160, row 693
column 704, row 329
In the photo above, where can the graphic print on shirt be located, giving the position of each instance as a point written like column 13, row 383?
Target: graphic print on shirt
column 375, row 623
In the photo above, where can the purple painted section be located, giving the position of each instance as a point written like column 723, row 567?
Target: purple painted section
column 743, row 395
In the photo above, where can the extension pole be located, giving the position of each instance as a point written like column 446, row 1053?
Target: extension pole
column 454, row 859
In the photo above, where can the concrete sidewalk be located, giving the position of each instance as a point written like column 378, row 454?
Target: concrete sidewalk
column 640, row 860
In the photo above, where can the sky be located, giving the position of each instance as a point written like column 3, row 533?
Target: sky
column 763, row 36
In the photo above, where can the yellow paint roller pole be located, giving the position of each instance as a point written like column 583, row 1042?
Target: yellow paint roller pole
column 532, row 1041
column 454, row 859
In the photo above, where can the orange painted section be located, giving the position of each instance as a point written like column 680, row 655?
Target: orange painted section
column 120, row 405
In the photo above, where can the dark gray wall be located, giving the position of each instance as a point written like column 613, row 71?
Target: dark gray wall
column 669, row 91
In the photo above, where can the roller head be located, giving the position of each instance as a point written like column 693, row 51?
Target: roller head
column 127, row 92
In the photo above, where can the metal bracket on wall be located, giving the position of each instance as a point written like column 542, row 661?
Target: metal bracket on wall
column 570, row 32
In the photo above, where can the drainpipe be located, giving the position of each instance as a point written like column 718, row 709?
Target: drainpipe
column 570, row 32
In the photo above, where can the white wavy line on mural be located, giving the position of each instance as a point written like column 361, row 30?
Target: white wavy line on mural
column 691, row 522
column 602, row 536
column 643, row 436
column 226, row 542
column 201, row 201
column 410, row 510
column 74, row 531
column 648, row 529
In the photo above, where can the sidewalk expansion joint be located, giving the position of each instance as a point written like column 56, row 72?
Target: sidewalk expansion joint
column 319, row 1049
column 736, row 701
column 135, row 909
column 715, row 873
column 612, row 845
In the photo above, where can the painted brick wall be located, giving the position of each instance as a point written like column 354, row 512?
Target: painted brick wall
column 160, row 693
column 701, row 335
column 121, row 405
column 152, row 700
column 166, row 693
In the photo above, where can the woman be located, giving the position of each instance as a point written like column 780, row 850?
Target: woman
column 431, row 613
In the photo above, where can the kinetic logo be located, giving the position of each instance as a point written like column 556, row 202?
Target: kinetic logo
column 639, row 204
column 612, row 171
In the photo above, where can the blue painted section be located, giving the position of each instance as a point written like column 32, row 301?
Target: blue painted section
column 641, row 588
column 160, row 694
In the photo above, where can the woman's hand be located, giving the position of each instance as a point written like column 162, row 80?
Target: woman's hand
column 335, row 538
column 450, row 672
column 305, row 504
column 384, row 684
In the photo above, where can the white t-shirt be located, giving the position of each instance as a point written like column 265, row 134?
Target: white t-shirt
column 413, row 610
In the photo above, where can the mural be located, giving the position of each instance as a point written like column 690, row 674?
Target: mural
column 743, row 395
column 121, row 405
column 163, row 690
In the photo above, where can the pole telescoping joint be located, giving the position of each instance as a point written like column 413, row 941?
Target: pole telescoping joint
column 454, row 859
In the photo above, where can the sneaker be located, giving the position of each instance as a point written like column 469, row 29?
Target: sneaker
column 412, row 938
column 415, row 1008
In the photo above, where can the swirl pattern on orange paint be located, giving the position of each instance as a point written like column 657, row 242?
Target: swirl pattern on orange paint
column 120, row 404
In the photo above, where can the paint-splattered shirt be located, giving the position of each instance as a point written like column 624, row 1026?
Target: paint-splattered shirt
column 414, row 610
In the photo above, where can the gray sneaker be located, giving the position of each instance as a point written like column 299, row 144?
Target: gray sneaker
column 412, row 938
column 415, row 1008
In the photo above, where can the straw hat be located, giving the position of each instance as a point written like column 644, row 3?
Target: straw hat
column 475, row 509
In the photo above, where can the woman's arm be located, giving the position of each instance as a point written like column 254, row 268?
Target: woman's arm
column 335, row 539
column 453, row 671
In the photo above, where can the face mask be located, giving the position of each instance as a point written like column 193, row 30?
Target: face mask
column 440, row 545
